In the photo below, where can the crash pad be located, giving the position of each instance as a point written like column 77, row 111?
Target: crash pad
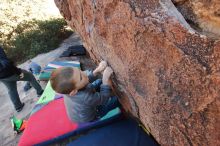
column 46, row 72
column 125, row 132
column 51, row 124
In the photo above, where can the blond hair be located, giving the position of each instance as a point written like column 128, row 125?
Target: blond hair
column 62, row 80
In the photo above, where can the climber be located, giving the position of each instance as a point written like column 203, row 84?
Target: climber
column 82, row 103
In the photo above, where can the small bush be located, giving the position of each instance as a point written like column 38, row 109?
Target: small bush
column 33, row 37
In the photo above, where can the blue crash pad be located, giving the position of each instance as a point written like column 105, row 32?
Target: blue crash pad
column 122, row 133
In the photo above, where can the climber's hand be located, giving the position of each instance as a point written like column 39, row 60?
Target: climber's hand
column 100, row 68
column 106, row 75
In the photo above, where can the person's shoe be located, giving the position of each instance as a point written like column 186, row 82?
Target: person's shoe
column 39, row 94
column 20, row 108
column 18, row 124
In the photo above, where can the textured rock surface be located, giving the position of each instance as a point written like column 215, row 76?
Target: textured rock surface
column 204, row 14
column 167, row 74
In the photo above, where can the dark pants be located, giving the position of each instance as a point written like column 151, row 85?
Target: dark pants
column 111, row 104
column 11, row 84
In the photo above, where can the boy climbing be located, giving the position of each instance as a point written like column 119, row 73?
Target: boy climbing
column 82, row 102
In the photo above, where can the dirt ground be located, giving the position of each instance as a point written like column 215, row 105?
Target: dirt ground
column 7, row 136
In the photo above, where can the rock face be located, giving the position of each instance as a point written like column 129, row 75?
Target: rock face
column 167, row 73
column 203, row 14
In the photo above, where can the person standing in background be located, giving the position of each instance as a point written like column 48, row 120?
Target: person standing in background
column 10, row 74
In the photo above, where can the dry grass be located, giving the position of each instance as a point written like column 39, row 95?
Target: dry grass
column 24, row 20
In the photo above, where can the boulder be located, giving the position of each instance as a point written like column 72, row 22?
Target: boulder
column 203, row 15
column 166, row 71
